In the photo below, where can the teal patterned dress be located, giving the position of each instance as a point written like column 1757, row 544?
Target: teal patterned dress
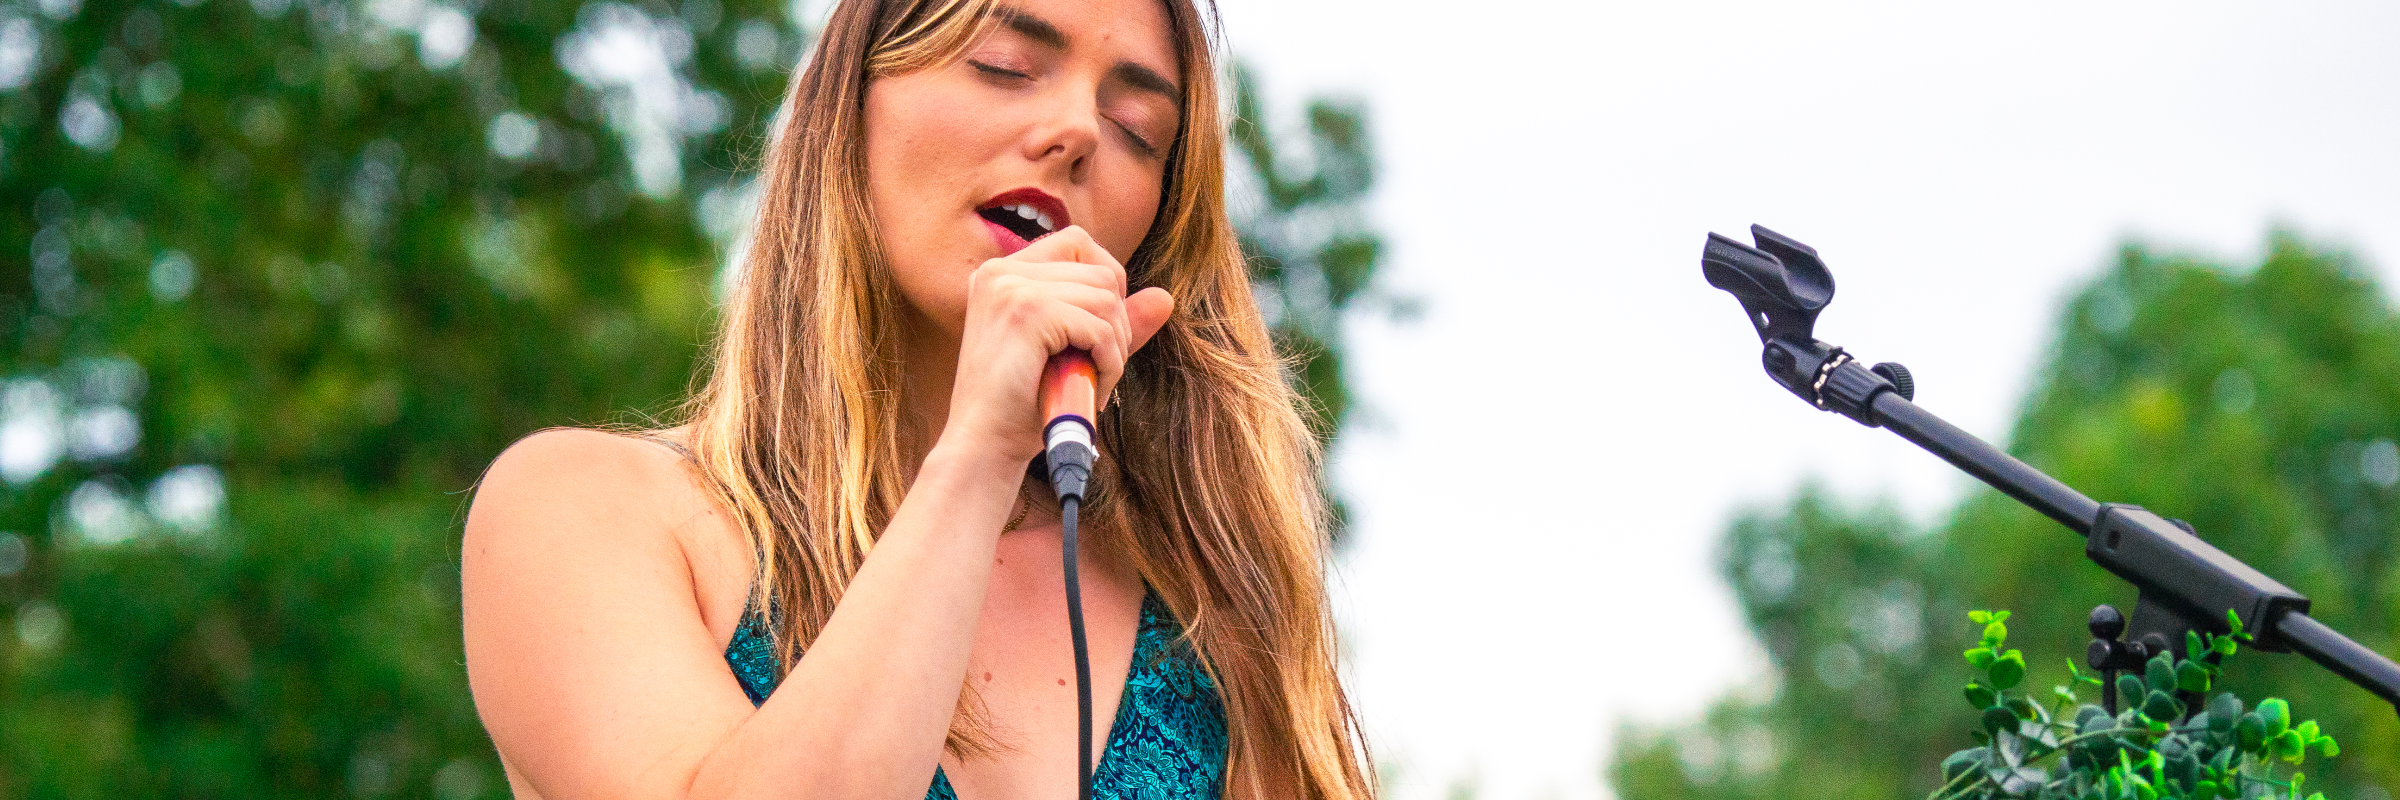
column 1168, row 741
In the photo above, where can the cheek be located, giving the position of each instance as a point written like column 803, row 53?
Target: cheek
column 916, row 148
column 1128, row 209
column 912, row 150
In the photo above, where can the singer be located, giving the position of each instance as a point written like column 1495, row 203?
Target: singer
column 830, row 575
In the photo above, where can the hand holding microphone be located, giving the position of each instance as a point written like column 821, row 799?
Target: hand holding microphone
column 1062, row 293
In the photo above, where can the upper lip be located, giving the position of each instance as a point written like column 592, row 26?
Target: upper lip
column 1040, row 200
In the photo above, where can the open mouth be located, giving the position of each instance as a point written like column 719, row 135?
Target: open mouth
column 1028, row 213
column 1022, row 219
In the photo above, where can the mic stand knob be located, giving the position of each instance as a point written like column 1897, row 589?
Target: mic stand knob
column 1902, row 382
column 2109, row 655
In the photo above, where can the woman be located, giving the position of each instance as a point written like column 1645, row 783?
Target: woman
column 835, row 579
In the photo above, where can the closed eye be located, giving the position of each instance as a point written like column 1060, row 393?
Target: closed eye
column 1139, row 143
column 998, row 72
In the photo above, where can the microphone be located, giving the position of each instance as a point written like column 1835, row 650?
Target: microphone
column 1070, row 404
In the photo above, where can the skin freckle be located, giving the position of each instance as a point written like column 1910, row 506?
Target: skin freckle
column 1062, row 681
column 987, row 677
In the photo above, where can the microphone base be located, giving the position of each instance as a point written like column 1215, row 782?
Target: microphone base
column 1068, row 456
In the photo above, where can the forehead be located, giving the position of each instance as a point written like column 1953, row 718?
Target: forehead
column 1137, row 30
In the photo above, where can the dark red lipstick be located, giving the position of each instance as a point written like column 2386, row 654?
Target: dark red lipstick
column 1019, row 216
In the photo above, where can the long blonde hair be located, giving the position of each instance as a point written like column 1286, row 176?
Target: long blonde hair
column 1209, row 474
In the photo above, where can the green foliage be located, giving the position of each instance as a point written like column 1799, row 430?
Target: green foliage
column 1303, row 221
column 288, row 273
column 1301, row 208
column 2260, row 404
column 298, row 271
column 2156, row 748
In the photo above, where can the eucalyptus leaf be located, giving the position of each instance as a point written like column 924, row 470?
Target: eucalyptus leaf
column 2288, row 746
column 1964, row 761
column 1997, row 719
column 2008, row 670
column 2130, row 688
column 2142, row 752
column 2224, row 710
column 1981, row 697
column 2190, row 676
column 2277, row 714
column 2251, row 732
column 2160, row 673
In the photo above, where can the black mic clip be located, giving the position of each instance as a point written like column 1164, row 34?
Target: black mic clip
column 1782, row 286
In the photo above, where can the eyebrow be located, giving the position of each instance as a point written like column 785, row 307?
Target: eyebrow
column 1145, row 79
column 1032, row 27
column 1041, row 31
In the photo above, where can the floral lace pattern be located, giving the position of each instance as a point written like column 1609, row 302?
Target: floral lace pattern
column 1168, row 740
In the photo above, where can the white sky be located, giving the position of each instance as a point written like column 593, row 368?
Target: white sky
column 1550, row 171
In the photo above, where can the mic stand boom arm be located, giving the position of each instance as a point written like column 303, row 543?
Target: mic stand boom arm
column 2185, row 583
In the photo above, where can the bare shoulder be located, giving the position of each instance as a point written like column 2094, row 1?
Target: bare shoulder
column 564, row 459
column 592, row 607
column 580, row 474
column 574, row 506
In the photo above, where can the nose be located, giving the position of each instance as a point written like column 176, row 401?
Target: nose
column 1066, row 131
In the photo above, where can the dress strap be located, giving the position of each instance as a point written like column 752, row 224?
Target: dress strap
column 662, row 441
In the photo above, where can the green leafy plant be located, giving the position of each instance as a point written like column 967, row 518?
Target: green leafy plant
column 2158, row 746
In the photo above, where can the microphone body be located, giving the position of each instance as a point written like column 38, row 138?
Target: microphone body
column 1070, row 407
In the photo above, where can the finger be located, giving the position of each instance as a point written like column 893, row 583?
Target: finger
column 1030, row 301
column 1072, row 243
column 1146, row 312
column 1100, row 303
column 1077, row 328
column 1095, row 275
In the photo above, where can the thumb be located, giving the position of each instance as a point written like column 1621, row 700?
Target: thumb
column 1145, row 313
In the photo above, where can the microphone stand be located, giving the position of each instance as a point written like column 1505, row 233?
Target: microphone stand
column 2185, row 584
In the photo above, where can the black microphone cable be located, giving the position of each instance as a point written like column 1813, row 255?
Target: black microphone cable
column 1070, row 461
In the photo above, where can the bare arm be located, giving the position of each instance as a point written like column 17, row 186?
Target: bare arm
column 597, row 677
column 586, row 648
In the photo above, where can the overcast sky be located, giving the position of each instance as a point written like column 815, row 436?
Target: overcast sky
column 1550, row 171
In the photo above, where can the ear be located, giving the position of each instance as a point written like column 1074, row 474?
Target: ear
column 1146, row 312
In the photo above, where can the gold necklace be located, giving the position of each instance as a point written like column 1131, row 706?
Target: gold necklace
column 1024, row 506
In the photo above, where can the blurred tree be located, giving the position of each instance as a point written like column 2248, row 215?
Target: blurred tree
column 1304, row 232
column 2261, row 405
column 1301, row 208
column 288, row 273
